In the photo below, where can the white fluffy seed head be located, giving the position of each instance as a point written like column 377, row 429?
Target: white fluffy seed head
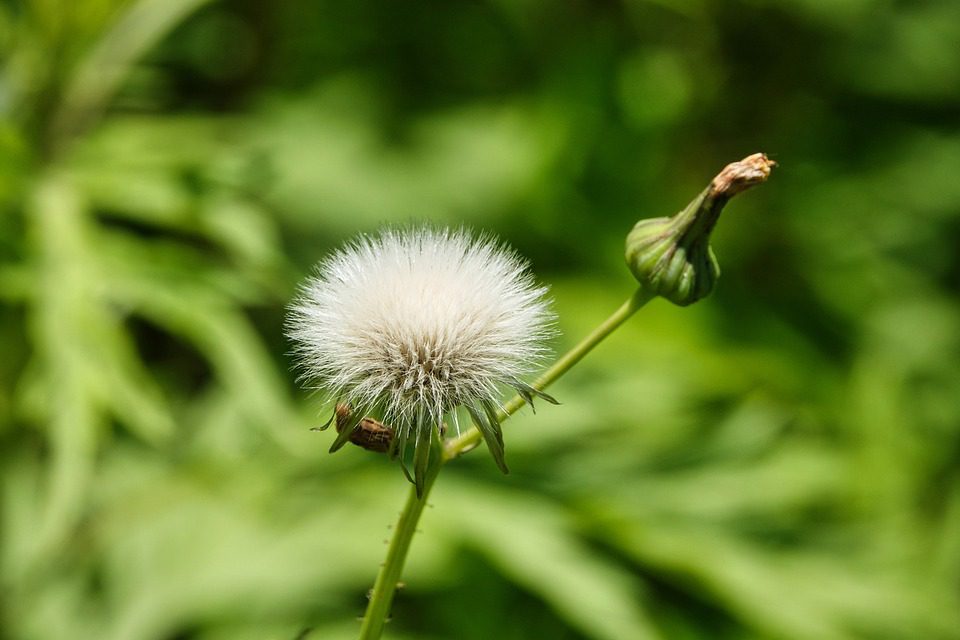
column 416, row 322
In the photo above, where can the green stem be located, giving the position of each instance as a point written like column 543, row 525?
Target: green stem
column 99, row 75
column 381, row 597
column 378, row 609
column 467, row 441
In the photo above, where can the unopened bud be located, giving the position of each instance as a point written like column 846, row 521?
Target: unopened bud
column 671, row 257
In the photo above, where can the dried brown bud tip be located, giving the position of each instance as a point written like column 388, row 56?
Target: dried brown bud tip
column 740, row 176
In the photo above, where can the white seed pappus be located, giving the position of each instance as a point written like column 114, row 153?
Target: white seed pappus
column 415, row 322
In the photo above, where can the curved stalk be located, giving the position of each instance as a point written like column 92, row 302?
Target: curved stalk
column 467, row 441
column 381, row 597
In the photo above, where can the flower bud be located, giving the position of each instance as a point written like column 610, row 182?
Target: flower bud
column 671, row 257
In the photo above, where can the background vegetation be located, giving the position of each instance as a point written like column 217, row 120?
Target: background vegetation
column 778, row 461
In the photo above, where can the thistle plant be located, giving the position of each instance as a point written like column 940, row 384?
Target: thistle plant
column 406, row 328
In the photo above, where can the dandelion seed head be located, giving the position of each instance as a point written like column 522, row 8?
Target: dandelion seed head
column 415, row 322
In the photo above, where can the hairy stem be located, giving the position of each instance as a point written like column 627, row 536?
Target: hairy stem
column 378, row 609
column 381, row 597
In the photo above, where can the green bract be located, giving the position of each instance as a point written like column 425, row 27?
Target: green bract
column 671, row 257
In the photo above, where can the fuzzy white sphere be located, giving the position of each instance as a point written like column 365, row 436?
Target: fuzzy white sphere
column 416, row 322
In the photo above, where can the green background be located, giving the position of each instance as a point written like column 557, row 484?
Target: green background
column 780, row 460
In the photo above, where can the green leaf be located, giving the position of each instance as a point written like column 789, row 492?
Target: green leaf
column 326, row 425
column 528, row 392
column 486, row 421
column 345, row 430
column 422, row 454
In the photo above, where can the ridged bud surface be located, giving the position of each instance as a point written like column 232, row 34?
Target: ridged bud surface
column 671, row 257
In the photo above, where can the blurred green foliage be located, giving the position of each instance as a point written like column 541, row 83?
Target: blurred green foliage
column 781, row 460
